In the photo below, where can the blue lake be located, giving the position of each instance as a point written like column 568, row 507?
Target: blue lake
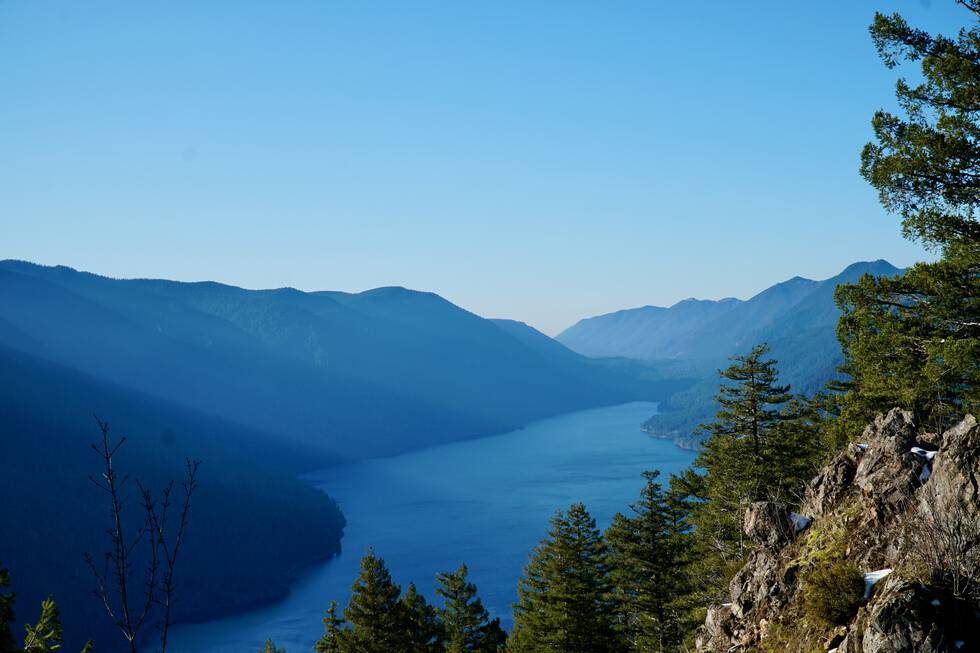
column 483, row 502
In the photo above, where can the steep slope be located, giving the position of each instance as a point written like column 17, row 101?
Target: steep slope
column 51, row 514
column 650, row 332
column 358, row 374
column 900, row 513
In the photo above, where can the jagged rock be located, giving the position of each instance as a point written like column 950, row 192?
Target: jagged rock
column 902, row 619
column 930, row 438
column 888, row 473
column 832, row 483
column 757, row 586
column 716, row 633
column 768, row 524
column 860, row 504
column 956, row 467
column 835, row 639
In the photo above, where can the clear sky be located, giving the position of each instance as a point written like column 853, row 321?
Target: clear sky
column 537, row 160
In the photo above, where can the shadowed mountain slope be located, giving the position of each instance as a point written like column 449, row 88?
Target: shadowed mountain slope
column 358, row 374
column 250, row 511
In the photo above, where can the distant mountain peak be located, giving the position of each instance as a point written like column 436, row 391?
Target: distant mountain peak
column 879, row 267
column 707, row 328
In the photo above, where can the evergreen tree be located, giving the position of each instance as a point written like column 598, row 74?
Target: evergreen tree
column 494, row 638
column 739, row 442
column 914, row 341
column 270, row 647
column 45, row 636
column 333, row 632
column 734, row 456
column 7, row 614
column 565, row 596
column 648, row 554
column 924, row 164
column 467, row 623
column 423, row 630
column 375, row 615
column 761, row 446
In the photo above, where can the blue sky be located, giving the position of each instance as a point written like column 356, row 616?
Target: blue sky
column 542, row 161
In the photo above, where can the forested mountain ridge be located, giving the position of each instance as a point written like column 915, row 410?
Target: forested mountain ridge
column 370, row 373
column 797, row 318
column 250, row 512
column 698, row 329
column 258, row 385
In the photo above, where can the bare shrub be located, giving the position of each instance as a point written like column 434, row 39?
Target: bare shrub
column 945, row 534
column 130, row 598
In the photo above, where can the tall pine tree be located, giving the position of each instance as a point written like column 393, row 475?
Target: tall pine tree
column 914, row 340
column 423, row 631
column 565, row 600
column 648, row 555
column 270, row 647
column 761, row 446
column 333, row 632
column 376, row 618
column 466, row 623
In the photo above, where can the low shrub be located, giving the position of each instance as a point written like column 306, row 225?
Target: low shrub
column 832, row 591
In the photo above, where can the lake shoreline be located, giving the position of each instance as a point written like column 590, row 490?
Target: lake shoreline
column 484, row 501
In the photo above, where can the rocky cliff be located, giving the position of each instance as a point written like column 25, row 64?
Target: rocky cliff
column 883, row 556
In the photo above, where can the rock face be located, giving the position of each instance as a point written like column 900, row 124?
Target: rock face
column 768, row 524
column 902, row 619
column 888, row 471
column 832, row 483
column 877, row 506
column 956, row 465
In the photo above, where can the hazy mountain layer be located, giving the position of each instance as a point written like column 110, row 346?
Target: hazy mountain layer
column 357, row 374
column 704, row 329
column 797, row 318
column 259, row 385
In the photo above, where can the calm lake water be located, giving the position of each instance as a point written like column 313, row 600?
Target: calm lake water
column 483, row 502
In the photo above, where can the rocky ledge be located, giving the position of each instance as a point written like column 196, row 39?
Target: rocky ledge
column 899, row 508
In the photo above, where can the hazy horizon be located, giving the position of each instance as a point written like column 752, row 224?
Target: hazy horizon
column 542, row 164
column 462, row 305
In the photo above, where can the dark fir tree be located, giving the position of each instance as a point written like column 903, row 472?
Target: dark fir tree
column 648, row 555
column 423, row 632
column 565, row 600
column 740, row 439
column 924, row 163
column 375, row 615
column 466, row 623
column 759, row 447
column 7, row 614
column 914, row 341
column 44, row 636
column 270, row 647
column 333, row 632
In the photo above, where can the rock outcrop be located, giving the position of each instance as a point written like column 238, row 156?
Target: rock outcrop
column 900, row 510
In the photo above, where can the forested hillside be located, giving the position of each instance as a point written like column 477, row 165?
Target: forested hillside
column 371, row 373
column 250, row 513
column 694, row 338
column 797, row 311
column 259, row 386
